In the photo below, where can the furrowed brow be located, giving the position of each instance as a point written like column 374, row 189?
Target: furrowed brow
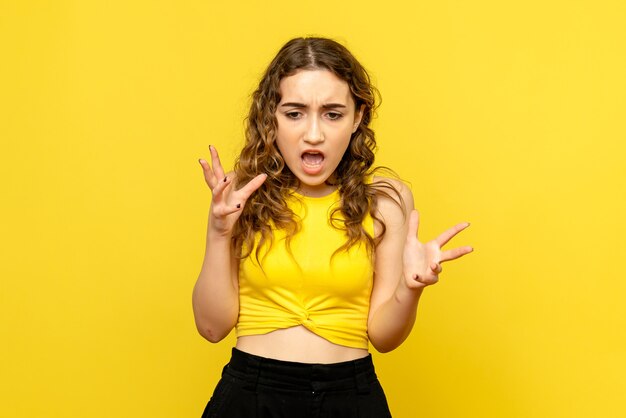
column 293, row 104
column 333, row 106
column 324, row 106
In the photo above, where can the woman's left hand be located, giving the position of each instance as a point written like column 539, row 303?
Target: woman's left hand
column 422, row 261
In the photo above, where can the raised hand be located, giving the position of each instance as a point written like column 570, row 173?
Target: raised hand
column 227, row 203
column 422, row 261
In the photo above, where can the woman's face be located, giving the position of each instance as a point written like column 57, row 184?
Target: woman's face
column 316, row 117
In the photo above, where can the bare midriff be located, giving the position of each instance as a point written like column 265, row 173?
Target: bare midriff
column 298, row 344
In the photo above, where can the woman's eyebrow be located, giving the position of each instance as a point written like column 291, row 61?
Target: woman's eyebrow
column 324, row 106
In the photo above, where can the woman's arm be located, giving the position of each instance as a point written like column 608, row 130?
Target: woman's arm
column 216, row 293
column 403, row 267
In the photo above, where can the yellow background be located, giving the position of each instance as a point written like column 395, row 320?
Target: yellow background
column 510, row 115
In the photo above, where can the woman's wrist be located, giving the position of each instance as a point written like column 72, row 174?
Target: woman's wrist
column 405, row 293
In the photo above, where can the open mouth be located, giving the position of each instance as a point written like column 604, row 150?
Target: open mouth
column 312, row 162
column 312, row 158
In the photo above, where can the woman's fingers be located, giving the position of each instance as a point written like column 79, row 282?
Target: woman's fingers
column 209, row 177
column 219, row 184
column 252, row 186
column 225, row 210
column 215, row 162
column 436, row 268
column 430, row 256
column 447, row 235
column 455, row 253
column 426, row 279
column 239, row 197
column 213, row 173
column 220, row 188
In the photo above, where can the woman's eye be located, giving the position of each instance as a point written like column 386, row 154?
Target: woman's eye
column 293, row 115
column 334, row 115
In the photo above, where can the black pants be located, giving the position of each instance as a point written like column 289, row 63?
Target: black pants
column 258, row 387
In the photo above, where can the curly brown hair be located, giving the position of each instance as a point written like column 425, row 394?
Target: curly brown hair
column 267, row 207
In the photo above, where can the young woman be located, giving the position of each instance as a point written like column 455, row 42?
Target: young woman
column 309, row 254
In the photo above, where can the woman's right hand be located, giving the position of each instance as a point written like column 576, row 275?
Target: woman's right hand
column 227, row 203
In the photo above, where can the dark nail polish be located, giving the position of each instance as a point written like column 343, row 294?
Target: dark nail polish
column 238, row 205
column 225, row 178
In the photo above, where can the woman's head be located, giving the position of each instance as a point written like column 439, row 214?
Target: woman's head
column 262, row 125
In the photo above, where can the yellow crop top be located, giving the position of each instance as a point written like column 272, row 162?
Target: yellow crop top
column 329, row 297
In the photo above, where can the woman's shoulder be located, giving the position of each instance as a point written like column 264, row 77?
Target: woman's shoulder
column 394, row 203
column 390, row 180
column 393, row 189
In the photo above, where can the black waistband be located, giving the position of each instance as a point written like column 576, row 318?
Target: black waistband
column 258, row 370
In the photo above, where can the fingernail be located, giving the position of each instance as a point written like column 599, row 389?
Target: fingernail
column 238, row 205
column 225, row 178
column 200, row 161
column 210, row 146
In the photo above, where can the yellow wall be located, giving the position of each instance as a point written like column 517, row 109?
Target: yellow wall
column 507, row 114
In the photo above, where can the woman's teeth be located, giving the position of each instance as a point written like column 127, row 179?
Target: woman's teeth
column 312, row 158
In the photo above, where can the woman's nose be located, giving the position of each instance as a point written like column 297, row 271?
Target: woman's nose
column 314, row 133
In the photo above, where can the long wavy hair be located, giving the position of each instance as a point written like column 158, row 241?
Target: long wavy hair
column 267, row 208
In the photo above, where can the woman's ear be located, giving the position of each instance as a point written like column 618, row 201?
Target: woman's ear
column 357, row 118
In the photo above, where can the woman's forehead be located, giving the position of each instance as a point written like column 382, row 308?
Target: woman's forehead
column 316, row 86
